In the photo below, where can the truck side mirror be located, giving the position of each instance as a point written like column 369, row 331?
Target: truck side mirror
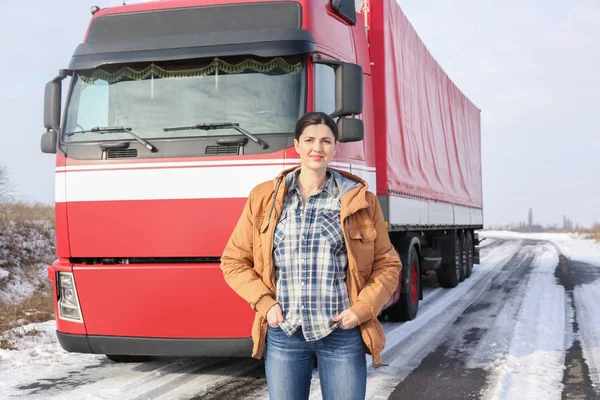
column 350, row 130
column 348, row 86
column 52, row 98
column 348, row 90
column 52, row 103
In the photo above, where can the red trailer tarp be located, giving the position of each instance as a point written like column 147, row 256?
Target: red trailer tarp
column 428, row 133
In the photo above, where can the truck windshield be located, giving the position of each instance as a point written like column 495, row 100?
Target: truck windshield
column 262, row 95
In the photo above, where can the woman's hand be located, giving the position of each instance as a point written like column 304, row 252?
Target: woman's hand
column 274, row 316
column 348, row 319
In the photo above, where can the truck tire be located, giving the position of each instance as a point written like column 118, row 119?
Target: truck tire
column 448, row 276
column 127, row 358
column 408, row 305
column 469, row 253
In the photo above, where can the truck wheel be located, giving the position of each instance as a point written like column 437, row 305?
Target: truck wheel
column 408, row 305
column 469, row 254
column 127, row 358
column 449, row 274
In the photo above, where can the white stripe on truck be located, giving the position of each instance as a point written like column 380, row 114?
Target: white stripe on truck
column 170, row 181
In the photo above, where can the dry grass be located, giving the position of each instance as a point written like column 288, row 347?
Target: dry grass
column 595, row 231
column 34, row 309
column 589, row 233
column 23, row 211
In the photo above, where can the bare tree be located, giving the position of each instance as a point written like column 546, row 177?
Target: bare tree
column 6, row 185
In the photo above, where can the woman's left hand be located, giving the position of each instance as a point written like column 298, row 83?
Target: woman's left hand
column 348, row 319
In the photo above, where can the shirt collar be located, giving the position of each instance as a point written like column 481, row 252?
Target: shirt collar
column 330, row 186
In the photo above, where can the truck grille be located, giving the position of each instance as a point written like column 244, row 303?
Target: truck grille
column 121, row 153
column 218, row 150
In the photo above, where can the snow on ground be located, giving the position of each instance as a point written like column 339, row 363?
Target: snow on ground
column 572, row 245
column 407, row 344
column 26, row 249
column 587, row 303
column 577, row 248
column 40, row 356
column 524, row 350
column 533, row 367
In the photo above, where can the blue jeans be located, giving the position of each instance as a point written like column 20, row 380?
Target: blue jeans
column 289, row 361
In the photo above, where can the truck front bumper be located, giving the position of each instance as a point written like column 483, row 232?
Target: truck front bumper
column 159, row 347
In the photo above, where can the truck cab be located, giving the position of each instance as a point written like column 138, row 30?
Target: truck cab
column 174, row 111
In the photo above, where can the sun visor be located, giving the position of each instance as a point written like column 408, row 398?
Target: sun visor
column 260, row 29
column 258, row 42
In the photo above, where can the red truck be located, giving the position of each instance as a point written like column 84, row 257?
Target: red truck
column 176, row 109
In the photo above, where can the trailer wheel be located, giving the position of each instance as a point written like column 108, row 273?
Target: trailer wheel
column 469, row 254
column 121, row 358
column 449, row 274
column 408, row 305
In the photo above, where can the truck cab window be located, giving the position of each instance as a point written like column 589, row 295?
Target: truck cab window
column 324, row 88
column 263, row 95
column 92, row 108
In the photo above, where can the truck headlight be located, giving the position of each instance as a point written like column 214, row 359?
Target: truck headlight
column 68, row 303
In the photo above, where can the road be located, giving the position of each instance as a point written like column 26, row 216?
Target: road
column 515, row 329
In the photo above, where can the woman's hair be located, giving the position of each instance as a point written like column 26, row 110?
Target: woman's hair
column 315, row 118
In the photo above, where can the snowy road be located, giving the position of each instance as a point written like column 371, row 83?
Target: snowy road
column 525, row 325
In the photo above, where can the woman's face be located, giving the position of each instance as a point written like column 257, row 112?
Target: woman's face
column 316, row 147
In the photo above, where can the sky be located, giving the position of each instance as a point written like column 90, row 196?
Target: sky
column 532, row 67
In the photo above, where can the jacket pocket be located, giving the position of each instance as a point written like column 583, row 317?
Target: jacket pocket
column 365, row 233
column 362, row 247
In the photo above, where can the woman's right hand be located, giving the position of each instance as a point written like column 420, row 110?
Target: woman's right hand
column 274, row 316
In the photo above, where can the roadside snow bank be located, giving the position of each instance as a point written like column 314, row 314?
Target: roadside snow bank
column 38, row 354
column 573, row 246
column 26, row 249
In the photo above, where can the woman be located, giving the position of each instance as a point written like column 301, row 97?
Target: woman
column 312, row 256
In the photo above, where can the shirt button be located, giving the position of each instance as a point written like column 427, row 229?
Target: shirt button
column 302, row 283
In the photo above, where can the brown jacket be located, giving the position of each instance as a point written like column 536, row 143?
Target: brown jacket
column 373, row 264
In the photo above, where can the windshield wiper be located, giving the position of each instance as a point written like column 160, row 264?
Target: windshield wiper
column 111, row 129
column 221, row 125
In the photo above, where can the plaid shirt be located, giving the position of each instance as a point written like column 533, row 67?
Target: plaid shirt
column 311, row 261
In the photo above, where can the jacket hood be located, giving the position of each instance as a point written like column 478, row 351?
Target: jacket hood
column 353, row 189
column 345, row 180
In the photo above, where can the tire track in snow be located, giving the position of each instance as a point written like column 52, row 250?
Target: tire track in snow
column 184, row 378
column 582, row 361
column 445, row 370
column 587, row 299
column 410, row 342
column 533, row 366
column 498, row 322
column 216, row 380
column 250, row 386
